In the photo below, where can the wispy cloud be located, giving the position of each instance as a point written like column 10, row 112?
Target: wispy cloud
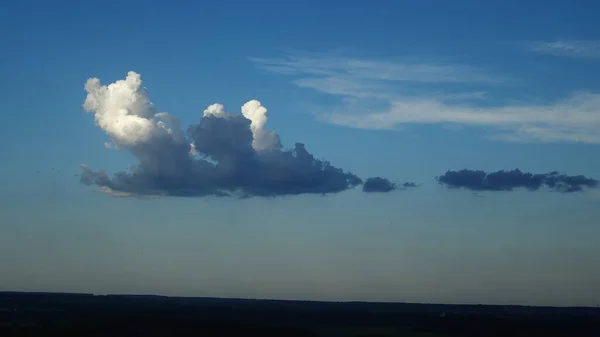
column 576, row 118
column 322, row 65
column 381, row 95
column 361, row 78
column 570, row 48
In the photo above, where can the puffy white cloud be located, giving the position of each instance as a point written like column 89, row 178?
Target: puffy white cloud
column 215, row 110
column 257, row 114
column 123, row 111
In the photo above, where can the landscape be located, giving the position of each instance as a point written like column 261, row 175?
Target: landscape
column 54, row 314
column 300, row 168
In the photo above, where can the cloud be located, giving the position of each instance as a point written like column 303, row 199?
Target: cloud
column 477, row 180
column 376, row 95
column 379, row 184
column 576, row 118
column 352, row 77
column 337, row 67
column 224, row 154
column 570, row 48
column 109, row 191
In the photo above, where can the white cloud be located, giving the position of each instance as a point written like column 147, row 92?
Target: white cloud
column 113, row 193
column 257, row 114
column 351, row 77
column 576, row 118
column 375, row 70
column 122, row 109
column 363, row 85
column 344, row 86
column 571, row 48
column 120, row 194
column 545, row 134
column 215, row 109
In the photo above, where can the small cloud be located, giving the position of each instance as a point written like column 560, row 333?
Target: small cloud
column 477, row 180
column 589, row 49
column 109, row 145
column 113, row 193
column 378, row 184
column 119, row 194
column 547, row 134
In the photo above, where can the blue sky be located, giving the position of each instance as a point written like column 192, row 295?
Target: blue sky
column 395, row 89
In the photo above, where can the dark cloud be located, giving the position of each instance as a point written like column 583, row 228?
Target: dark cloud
column 379, row 184
column 477, row 180
column 227, row 165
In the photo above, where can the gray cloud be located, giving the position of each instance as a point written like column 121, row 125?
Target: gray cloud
column 477, row 180
column 380, row 184
column 224, row 154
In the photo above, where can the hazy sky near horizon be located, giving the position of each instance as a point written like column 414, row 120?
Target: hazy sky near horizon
column 403, row 90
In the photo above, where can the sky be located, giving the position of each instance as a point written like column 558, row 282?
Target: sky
column 431, row 151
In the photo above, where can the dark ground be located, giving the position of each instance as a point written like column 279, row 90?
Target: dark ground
column 47, row 314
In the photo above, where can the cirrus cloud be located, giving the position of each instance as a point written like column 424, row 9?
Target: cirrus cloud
column 375, row 94
column 588, row 49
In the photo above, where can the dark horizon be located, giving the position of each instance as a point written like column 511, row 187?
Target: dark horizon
column 69, row 314
column 4, row 292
